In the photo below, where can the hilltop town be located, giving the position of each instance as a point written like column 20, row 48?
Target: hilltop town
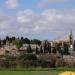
column 22, row 52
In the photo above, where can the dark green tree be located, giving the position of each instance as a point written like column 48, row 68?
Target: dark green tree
column 4, row 41
column 0, row 43
column 49, row 48
column 74, row 45
column 37, row 52
column 66, row 49
column 17, row 42
column 29, row 49
column 26, row 40
column 36, row 41
column 7, row 38
column 54, row 50
column 13, row 38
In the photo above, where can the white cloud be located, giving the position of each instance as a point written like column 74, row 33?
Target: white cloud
column 49, row 23
column 26, row 16
column 11, row 4
column 45, row 3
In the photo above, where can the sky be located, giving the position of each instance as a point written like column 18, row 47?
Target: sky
column 37, row 19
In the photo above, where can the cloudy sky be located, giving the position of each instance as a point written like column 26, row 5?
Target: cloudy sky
column 42, row 19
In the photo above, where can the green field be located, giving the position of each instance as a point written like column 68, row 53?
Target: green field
column 35, row 71
column 29, row 72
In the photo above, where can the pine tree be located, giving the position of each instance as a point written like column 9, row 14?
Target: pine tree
column 29, row 50
column 74, row 45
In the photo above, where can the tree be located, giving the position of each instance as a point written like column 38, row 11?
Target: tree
column 49, row 48
column 10, row 61
column 22, row 40
column 54, row 50
column 0, row 43
column 45, row 48
column 74, row 45
column 28, row 60
column 7, row 38
column 13, row 38
column 10, row 40
column 26, row 40
column 17, row 42
column 29, row 50
column 4, row 41
column 66, row 49
column 41, row 50
column 37, row 52
column 36, row 41
column 30, row 57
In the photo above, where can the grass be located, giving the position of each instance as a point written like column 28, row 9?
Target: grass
column 35, row 71
column 30, row 72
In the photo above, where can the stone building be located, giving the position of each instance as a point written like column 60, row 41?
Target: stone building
column 68, row 40
column 51, row 46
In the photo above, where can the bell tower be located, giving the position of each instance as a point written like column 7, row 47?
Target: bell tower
column 70, row 38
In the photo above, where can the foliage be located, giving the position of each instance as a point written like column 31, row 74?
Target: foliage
column 29, row 49
column 36, row 41
column 74, row 45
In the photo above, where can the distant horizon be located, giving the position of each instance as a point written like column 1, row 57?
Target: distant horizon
column 49, row 39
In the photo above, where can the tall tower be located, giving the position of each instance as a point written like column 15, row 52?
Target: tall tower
column 70, row 38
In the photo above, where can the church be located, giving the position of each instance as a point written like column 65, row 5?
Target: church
column 68, row 40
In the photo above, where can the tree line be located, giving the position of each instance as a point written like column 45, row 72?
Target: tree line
column 19, row 41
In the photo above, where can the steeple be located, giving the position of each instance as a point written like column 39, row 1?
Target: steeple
column 71, row 38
